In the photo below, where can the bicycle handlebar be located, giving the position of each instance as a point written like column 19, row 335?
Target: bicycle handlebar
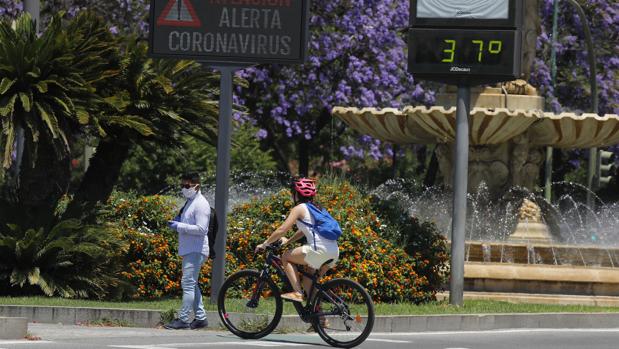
column 274, row 246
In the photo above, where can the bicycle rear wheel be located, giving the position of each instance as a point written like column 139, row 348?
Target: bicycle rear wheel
column 250, row 307
column 347, row 313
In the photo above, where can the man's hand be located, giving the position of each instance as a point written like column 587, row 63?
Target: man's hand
column 284, row 241
column 173, row 225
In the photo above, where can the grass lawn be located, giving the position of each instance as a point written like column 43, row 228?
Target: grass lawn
column 470, row 307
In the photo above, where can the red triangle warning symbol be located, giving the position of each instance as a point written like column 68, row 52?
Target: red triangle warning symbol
column 179, row 13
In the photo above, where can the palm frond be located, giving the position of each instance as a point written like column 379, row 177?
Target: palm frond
column 53, row 75
column 68, row 260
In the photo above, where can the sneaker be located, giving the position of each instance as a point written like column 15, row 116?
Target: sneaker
column 177, row 324
column 198, row 324
column 293, row 296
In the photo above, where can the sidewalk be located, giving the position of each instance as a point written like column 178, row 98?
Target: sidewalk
column 417, row 323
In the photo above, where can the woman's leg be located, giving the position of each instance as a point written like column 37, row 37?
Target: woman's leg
column 289, row 261
column 307, row 282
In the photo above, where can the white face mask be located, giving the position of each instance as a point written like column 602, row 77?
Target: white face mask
column 190, row 192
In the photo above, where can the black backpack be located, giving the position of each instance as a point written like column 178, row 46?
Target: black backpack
column 212, row 234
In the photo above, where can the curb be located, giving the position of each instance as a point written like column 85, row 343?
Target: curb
column 13, row 327
column 73, row 315
column 415, row 323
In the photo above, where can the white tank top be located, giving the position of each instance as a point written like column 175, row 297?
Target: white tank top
column 321, row 243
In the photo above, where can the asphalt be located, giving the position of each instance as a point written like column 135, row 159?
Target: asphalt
column 79, row 337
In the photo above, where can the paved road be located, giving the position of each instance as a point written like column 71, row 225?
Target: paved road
column 75, row 337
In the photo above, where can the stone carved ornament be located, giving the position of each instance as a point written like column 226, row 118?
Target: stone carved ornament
column 530, row 212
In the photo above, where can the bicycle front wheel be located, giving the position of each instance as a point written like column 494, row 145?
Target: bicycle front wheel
column 250, row 307
column 345, row 313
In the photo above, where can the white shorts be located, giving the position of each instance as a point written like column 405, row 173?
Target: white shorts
column 316, row 258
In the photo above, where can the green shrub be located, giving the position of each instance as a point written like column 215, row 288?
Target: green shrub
column 384, row 268
column 151, row 262
column 421, row 240
column 70, row 260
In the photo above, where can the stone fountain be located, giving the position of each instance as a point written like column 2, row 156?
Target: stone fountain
column 508, row 134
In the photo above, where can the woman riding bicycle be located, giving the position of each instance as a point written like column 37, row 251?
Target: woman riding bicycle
column 318, row 249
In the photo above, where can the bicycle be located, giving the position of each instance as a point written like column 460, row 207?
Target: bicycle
column 250, row 304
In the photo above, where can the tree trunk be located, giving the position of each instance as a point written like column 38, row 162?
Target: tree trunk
column 304, row 157
column 422, row 156
column 278, row 151
column 44, row 178
column 394, row 163
column 430, row 179
column 99, row 180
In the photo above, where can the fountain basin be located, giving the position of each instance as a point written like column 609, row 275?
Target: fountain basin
column 542, row 254
column 541, row 279
column 435, row 125
column 541, row 269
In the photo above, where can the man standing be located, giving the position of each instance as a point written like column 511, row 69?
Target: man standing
column 192, row 227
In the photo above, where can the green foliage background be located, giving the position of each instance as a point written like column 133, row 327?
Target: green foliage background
column 153, row 167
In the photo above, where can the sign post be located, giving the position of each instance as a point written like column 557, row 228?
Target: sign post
column 222, row 185
column 228, row 35
column 464, row 43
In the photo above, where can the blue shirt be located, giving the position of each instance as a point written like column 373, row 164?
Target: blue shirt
column 193, row 227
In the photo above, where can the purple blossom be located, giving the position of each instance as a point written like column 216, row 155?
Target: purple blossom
column 10, row 8
column 356, row 57
column 572, row 92
column 262, row 134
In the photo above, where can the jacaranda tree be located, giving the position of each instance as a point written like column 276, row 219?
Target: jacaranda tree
column 572, row 91
column 356, row 58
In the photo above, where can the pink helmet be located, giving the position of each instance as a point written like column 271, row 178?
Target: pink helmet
column 304, row 186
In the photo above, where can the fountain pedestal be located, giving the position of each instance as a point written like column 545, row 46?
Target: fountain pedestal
column 531, row 233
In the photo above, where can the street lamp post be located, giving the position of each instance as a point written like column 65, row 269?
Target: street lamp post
column 553, row 76
column 594, row 98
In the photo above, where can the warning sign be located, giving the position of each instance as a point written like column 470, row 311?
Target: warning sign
column 179, row 13
column 230, row 31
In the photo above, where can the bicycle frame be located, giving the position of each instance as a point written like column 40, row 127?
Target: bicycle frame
column 305, row 312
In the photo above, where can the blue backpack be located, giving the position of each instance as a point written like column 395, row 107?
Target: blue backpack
column 324, row 224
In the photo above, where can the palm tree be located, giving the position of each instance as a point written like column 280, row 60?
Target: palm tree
column 154, row 100
column 48, row 86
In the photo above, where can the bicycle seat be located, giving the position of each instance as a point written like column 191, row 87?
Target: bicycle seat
column 323, row 264
column 327, row 262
